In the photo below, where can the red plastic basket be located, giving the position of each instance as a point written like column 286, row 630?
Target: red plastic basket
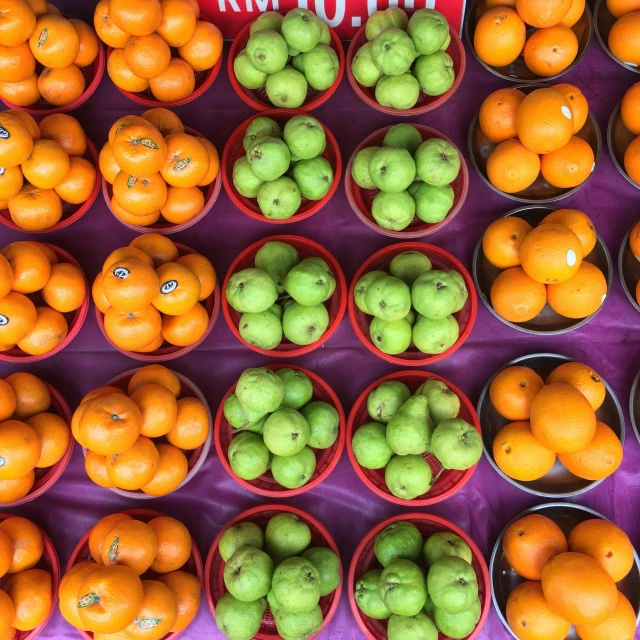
column 336, row 305
column 364, row 560
column 214, row 567
column 49, row 562
column 361, row 199
column 425, row 103
column 168, row 351
column 70, row 212
column 440, row 259
column 326, row 459
column 233, row 150
column 211, row 193
column 193, row 566
column 204, row 79
column 257, row 98
column 75, row 319
column 449, row 481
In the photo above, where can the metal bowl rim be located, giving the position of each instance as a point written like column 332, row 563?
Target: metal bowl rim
column 603, row 44
column 634, row 389
column 614, row 113
column 623, row 246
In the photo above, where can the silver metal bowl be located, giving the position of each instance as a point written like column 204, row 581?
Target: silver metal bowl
column 504, row 579
column 618, row 139
column 547, row 322
column 518, row 71
column 559, row 482
column 634, row 406
column 629, row 269
column 603, row 21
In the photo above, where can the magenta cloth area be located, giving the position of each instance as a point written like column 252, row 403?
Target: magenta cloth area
column 609, row 343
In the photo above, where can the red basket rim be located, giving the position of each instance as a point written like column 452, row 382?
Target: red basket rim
column 426, row 228
column 341, row 292
column 429, row 250
column 167, row 228
column 136, row 514
column 211, row 304
column 220, row 423
column 258, row 105
column 236, row 198
column 456, row 43
column 75, row 324
column 430, row 519
column 281, row 508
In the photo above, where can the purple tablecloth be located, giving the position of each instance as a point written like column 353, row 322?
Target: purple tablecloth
column 342, row 503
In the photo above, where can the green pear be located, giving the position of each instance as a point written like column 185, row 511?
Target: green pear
column 418, row 627
column 445, row 543
column 388, row 298
column 437, row 162
column 260, row 390
column 248, row 456
column 274, row 605
column 394, row 211
column 429, row 607
column 367, row 597
column 443, row 403
column 411, row 318
column 279, row 199
column 410, row 429
column 433, row 203
column 314, row 177
column 398, row 540
column 328, row 565
column 364, row 68
column 428, row 29
column 452, row 584
column 247, row 574
column 238, row 620
column 435, row 73
column 267, row 20
column 308, row 284
column 435, row 336
column 324, row 424
column 277, row 259
column 296, row 585
column 390, row 337
column 263, row 329
column 403, row 136
column 298, row 625
column 293, row 472
column 360, row 168
column 246, row 74
column 320, row 67
column 304, row 325
column 402, row 588
column 457, row 444
column 459, row 280
column 297, row 62
column 244, row 180
column 269, row 157
column 386, row 399
column 393, row 52
column 259, row 127
column 378, row 21
column 301, row 29
column 392, row 169
column 446, row 43
column 243, row 534
column 435, row 295
column 408, row 477
column 276, row 310
column 286, row 432
column 408, row 265
column 305, row 137
column 286, row 536
column 370, row 446
column 287, row 89
column 251, row 291
column 458, row 625
column 398, row 92
column 325, row 36
column 237, row 416
column 298, row 389
column 361, row 288
column 267, row 51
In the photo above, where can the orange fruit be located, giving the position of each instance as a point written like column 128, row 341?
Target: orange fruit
column 192, row 425
column 123, row 122
column 630, row 108
column 516, row 297
column 154, row 374
column 54, row 436
column 579, row 223
column 89, row 43
column 574, row 14
column 599, row 459
column 129, row 218
column 187, row 161
column 61, row 86
column 172, row 470
column 39, row 7
column 159, row 248
column 130, row 285
column 79, row 183
column 100, row 530
column 196, row 7
column 165, row 121
column 619, row 7
column 17, row 142
column 35, row 209
column 96, row 468
column 12, row 490
column 531, row 618
column 562, row 419
column 623, row 38
column 68, row 591
column 497, row 117
column 187, row 592
column 187, row 328
column 11, row 181
column 581, row 295
column 32, row 595
column 634, row 240
column 139, row 19
column 106, row 29
column 512, row 392
column 511, row 167
column 7, row 403
column 97, row 293
column 18, row 316
column 583, row 378
column 147, row 56
column 204, row 48
column 52, row 257
column 632, row 160
column 550, row 51
column 176, row 82
column 158, row 408
column 55, row 42
column 529, row 544
column 570, row 165
column 16, row 63
column 126, row 253
column 214, row 162
column 26, row 540
column 32, row 395
column 621, row 625
column 183, row 203
column 132, row 331
column 66, row 131
column 519, row 455
column 23, row 93
column 141, row 195
column 139, row 149
column 27, row 121
column 179, row 289
column 109, row 599
column 178, row 22
column 20, row 447
column 131, row 543
column 101, row 391
column 121, row 75
column 108, row 166
column 135, row 467
column 52, row 9
column 49, row 331
column 543, row 13
column 579, row 589
column 502, row 240
column 174, row 544
column 204, row 271
column 17, row 22
column 500, row 36
column 577, row 102
column 48, row 164
column 6, row 553
column 6, row 277
column 7, row 613
column 157, row 615
column 152, row 346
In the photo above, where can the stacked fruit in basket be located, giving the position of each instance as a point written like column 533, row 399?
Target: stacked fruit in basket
column 405, row 56
column 406, row 428
column 630, row 114
column 424, row 586
column 276, row 568
column 634, row 244
column 624, row 32
column 286, row 55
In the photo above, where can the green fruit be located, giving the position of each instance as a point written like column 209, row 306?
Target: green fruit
column 370, row 446
column 399, row 540
column 298, row 625
column 388, row 298
column 286, row 536
column 402, row 588
column 394, row 211
column 443, row 403
column 309, row 284
column 244, row 180
column 360, row 167
column 294, row 471
column 286, row 432
column 437, row 162
column 364, row 68
column 235, row 414
column 259, row 127
column 393, row 52
column 277, row 259
column 304, row 325
column 246, row 74
column 260, row 390
column 403, row 136
column 298, row 389
column 325, row 36
column 328, row 565
column 269, row 157
column 385, row 400
column 287, row 88
column 320, row 67
column 381, row 20
column 276, row 310
column 418, row 627
column 305, row 137
column 238, row 620
column 296, row 585
column 324, row 424
column 435, row 336
column 301, row 29
column 390, row 337
column 398, row 92
column 409, row 431
column 429, row 30
column 444, row 544
column 314, row 177
column 267, row 51
column 251, row 291
column 436, row 295
column 408, row 477
column 248, row 456
column 243, row 534
column 458, row 625
column 361, row 288
column 435, row 73
column 279, row 199
column 457, row 444
column 433, row 203
column 452, row 584
column 268, row 20
column 367, row 597
column 392, row 169
column 408, row 265
column 247, row 574
column 263, row 330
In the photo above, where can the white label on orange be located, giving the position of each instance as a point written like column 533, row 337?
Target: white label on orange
column 566, row 112
column 571, row 257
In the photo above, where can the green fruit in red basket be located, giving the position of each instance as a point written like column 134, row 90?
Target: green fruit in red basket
column 244, row 180
column 392, row 169
column 320, row 67
column 247, row 574
column 445, row 543
column 399, row 540
column 293, row 472
column 361, row 288
column 364, row 68
column 305, row 137
column 367, row 598
column 276, row 310
column 457, row 444
column 314, row 177
column 267, row 51
column 385, row 400
column 286, row 432
column 287, row 88
column 243, row 534
column 408, row 477
column 433, row 203
column 458, row 625
column 446, row 43
column 402, row 588
column 435, row 336
column 403, row 136
column 393, row 52
column 360, row 167
column 408, row 265
column 264, row 330
column 418, row 627
column 411, row 318
column 410, row 429
column 429, row 607
column 437, row 162
column 286, row 536
column 279, row 199
column 259, row 127
column 251, row 291
column 328, row 565
column 237, row 416
column 381, row 20
column 296, row 585
column 246, row 74
column 260, row 390
column 435, row 294
column 324, row 424
column 297, row 62
column 435, row 73
column 298, row 389
column 277, row 259
column 248, row 456
column 452, row 584
column 298, row 625
column 388, row 298
column 398, row 92
column 370, row 446
column 305, row 325
column 274, row 605
column 394, row 211
column 443, row 403
column 390, row 337
column 268, row 20
column 301, row 29
column 238, row 620
column 269, row 157
column 325, row 34
column 308, row 283
column 428, row 29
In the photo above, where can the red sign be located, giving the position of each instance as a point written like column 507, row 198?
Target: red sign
column 345, row 16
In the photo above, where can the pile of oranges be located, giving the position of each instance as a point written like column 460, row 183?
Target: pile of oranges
column 135, row 440
column 630, row 114
column 553, row 419
column 623, row 37
column 132, row 585
column 58, row 288
column 156, row 169
column 634, row 244
column 536, row 134
column 150, row 294
column 31, row 437
column 146, row 36
column 42, row 168
column 544, row 265
column 501, row 34
column 569, row 581
column 34, row 31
